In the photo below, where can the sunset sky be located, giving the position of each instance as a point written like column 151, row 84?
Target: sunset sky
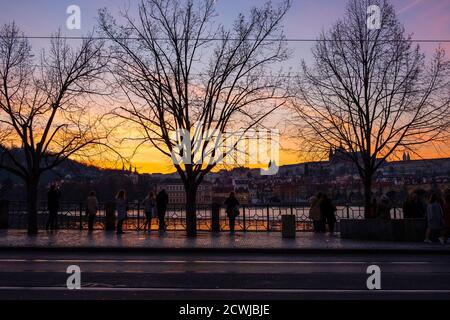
column 425, row 19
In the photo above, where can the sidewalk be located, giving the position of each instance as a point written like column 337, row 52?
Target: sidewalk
column 306, row 242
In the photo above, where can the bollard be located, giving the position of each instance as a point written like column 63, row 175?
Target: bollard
column 110, row 210
column 4, row 214
column 288, row 226
column 215, row 215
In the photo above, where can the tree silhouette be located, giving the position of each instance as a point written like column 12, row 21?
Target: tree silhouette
column 180, row 71
column 370, row 92
column 44, row 116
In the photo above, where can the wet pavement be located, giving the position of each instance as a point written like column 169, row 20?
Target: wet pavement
column 257, row 241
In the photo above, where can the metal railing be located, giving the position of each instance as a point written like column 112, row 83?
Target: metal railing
column 254, row 217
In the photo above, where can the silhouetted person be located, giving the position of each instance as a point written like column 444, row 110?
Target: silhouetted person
column 149, row 210
column 384, row 208
column 232, row 210
column 162, row 199
column 91, row 209
column 315, row 214
column 446, row 215
column 413, row 207
column 122, row 208
column 435, row 218
column 328, row 210
column 53, row 207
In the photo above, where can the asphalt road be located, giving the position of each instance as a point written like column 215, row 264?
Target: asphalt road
column 38, row 275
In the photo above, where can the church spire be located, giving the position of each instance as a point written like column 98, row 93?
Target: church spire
column 406, row 155
column 330, row 154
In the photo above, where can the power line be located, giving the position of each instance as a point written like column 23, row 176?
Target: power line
column 236, row 39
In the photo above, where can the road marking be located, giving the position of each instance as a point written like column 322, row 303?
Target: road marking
column 255, row 290
column 210, row 261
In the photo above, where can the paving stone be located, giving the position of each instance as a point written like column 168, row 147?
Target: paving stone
column 177, row 240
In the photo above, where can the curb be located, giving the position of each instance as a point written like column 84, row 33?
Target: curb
column 212, row 250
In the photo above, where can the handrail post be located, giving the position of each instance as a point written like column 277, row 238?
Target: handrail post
column 292, row 213
column 215, row 217
column 81, row 216
column 138, row 227
column 4, row 214
column 244, row 219
column 268, row 219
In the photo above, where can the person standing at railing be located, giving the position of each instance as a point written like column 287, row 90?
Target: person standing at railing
column 435, row 218
column 162, row 199
column 446, row 215
column 413, row 207
column 328, row 210
column 53, row 196
column 315, row 214
column 232, row 210
column 149, row 210
column 122, row 208
column 91, row 209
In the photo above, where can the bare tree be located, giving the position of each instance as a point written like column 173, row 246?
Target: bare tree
column 181, row 72
column 371, row 91
column 44, row 116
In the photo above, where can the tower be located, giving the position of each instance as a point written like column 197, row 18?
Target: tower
column 406, row 155
column 330, row 154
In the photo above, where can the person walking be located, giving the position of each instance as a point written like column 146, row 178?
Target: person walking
column 435, row 218
column 91, row 209
column 328, row 210
column 315, row 213
column 53, row 196
column 149, row 210
column 122, row 208
column 232, row 210
column 162, row 199
column 446, row 215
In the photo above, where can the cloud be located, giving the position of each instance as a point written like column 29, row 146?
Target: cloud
column 409, row 6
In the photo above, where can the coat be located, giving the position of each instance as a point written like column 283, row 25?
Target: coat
column 447, row 214
column 232, row 206
column 91, row 205
column 413, row 209
column 149, row 205
column 121, row 207
column 327, row 209
column 314, row 211
column 53, row 200
column 435, row 216
column 162, row 199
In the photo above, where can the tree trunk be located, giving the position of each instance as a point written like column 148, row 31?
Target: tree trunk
column 191, row 211
column 32, row 205
column 367, row 195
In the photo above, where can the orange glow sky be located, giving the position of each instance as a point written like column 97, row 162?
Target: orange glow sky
column 425, row 19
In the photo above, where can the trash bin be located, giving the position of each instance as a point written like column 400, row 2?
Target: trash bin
column 4, row 214
column 215, row 217
column 288, row 226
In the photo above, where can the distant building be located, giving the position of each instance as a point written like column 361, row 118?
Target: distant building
column 177, row 195
column 221, row 192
